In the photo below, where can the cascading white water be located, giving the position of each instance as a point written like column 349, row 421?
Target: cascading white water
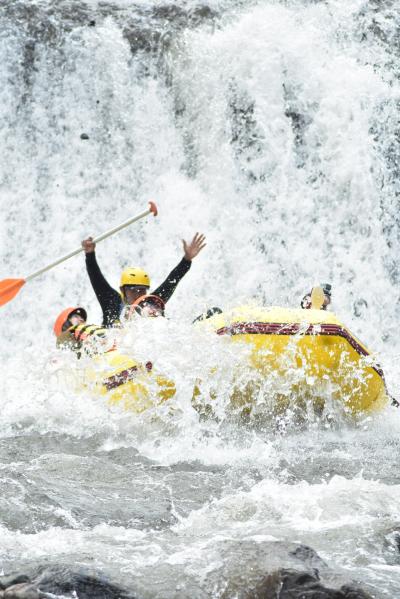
column 272, row 129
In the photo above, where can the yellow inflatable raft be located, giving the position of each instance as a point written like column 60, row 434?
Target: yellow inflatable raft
column 104, row 371
column 127, row 383
column 308, row 354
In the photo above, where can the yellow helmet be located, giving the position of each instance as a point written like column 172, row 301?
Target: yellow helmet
column 134, row 276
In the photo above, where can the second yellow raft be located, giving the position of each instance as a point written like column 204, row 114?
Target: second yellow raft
column 309, row 354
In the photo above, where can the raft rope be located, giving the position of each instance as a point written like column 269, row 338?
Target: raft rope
column 119, row 379
column 116, row 380
column 273, row 328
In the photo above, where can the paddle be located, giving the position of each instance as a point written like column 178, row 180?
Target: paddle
column 317, row 298
column 10, row 287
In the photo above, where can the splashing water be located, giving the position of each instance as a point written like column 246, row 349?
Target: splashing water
column 273, row 127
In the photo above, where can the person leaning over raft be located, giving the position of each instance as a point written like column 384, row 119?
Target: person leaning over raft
column 135, row 282
column 73, row 332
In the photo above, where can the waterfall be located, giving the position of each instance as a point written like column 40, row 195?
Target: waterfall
column 272, row 126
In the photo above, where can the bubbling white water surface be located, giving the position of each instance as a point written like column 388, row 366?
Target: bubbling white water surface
column 270, row 129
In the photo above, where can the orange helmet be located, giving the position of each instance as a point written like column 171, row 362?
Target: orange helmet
column 154, row 300
column 64, row 316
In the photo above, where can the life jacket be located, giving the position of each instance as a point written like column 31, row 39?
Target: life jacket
column 90, row 338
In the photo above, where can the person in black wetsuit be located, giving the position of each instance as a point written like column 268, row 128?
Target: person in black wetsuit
column 134, row 281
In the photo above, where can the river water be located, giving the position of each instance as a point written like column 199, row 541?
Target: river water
column 271, row 126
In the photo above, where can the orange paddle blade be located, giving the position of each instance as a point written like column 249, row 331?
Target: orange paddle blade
column 9, row 289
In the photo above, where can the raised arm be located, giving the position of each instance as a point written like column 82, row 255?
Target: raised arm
column 194, row 247
column 191, row 250
column 109, row 299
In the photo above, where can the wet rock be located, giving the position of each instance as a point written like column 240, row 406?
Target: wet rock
column 247, row 137
column 12, row 579
column 359, row 307
column 293, row 584
column 84, row 136
column 308, row 556
column 60, row 580
column 391, row 546
column 144, row 27
column 22, row 591
column 279, row 570
column 63, row 581
column 141, row 37
column 353, row 593
column 282, row 583
column 396, row 540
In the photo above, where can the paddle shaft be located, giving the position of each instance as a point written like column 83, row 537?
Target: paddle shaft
column 152, row 209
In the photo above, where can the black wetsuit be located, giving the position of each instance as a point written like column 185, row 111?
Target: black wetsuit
column 110, row 300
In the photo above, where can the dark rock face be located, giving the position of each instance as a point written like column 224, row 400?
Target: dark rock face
column 308, row 556
column 293, row 584
column 144, row 27
column 311, row 579
column 379, row 23
column 44, row 26
column 305, row 582
column 22, row 591
column 61, row 581
column 8, row 581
